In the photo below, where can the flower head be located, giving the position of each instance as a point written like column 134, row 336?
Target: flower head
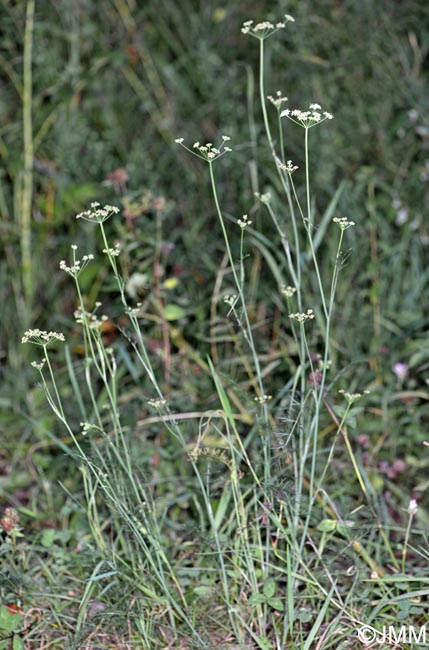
column 302, row 317
column 353, row 397
column 207, row 151
column 343, row 223
column 38, row 366
column 289, row 167
column 263, row 398
column 401, row 370
column 287, row 291
column 308, row 118
column 97, row 214
column 41, row 337
column 412, row 507
column 278, row 100
column 156, row 403
column 244, row 221
column 230, row 299
column 77, row 266
column 265, row 29
column 264, row 198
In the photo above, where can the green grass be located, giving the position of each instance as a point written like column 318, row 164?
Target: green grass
column 232, row 524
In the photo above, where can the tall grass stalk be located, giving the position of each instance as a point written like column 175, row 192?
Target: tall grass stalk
column 27, row 180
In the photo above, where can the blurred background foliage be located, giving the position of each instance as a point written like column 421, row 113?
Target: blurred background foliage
column 114, row 82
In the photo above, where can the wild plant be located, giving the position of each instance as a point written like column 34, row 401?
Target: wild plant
column 270, row 534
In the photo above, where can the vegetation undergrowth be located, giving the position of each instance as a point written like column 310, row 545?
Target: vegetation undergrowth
column 255, row 522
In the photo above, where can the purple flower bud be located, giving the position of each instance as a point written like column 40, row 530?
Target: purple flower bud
column 401, row 370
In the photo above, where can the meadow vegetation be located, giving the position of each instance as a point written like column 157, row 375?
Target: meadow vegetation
column 214, row 348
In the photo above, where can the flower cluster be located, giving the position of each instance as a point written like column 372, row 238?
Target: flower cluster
column 91, row 318
column 343, row 223
column 38, row 366
column 264, row 198
column 77, row 266
column 244, row 221
column 301, row 317
column 264, row 29
column 230, row 299
column 41, row 337
column 289, row 168
column 207, row 151
column 278, row 100
column 9, row 520
column 114, row 252
column 309, row 118
column 157, row 403
column 353, row 397
column 287, row 291
column 98, row 214
column 88, row 427
column 263, row 398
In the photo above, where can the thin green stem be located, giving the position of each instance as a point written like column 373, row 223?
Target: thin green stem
column 27, row 189
column 405, row 546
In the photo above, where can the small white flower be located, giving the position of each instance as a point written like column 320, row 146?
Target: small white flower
column 353, row 397
column 230, row 299
column 278, row 100
column 244, row 221
column 264, row 198
column 343, row 223
column 263, row 398
column 289, row 168
column 40, row 365
column 178, row 140
column 412, row 507
column 157, row 403
column 288, row 291
column 113, row 252
column 303, row 317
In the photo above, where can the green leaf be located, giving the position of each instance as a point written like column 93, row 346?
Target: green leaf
column 269, row 588
column 256, row 599
column 264, row 643
column 304, row 615
column 327, row 525
column 173, row 312
column 48, row 537
column 202, row 590
column 9, row 621
column 276, row 603
column 18, row 643
column 344, row 526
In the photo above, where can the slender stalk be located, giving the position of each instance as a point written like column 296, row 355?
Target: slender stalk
column 27, row 187
column 407, row 537
column 248, row 328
